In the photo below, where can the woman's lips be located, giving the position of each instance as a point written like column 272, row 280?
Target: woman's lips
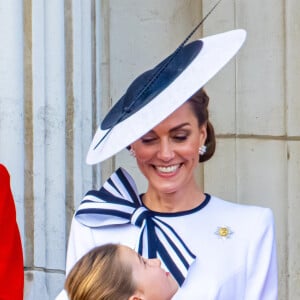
column 167, row 169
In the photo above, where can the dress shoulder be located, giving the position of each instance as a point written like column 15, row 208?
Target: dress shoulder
column 239, row 207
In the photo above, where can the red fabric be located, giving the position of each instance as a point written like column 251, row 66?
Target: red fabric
column 11, row 255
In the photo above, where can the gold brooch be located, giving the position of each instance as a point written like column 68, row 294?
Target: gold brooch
column 224, row 232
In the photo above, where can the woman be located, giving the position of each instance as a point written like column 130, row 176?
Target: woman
column 117, row 272
column 214, row 249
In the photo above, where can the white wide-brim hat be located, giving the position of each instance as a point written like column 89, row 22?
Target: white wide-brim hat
column 157, row 93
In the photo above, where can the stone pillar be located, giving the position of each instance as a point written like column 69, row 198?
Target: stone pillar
column 12, row 99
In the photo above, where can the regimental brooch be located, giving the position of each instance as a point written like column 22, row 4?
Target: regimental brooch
column 224, row 232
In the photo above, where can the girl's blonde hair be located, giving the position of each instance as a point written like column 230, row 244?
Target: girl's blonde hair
column 100, row 275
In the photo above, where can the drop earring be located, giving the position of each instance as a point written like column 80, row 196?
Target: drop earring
column 202, row 150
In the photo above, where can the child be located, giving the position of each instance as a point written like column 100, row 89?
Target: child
column 117, row 272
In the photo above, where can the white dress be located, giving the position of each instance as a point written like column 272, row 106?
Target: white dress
column 234, row 246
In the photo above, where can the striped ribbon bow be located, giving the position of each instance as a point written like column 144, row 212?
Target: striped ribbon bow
column 118, row 202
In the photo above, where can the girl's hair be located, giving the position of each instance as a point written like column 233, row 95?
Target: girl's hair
column 199, row 104
column 100, row 275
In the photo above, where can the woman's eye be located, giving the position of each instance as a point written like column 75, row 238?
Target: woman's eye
column 181, row 135
column 148, row 140
column 180, row 138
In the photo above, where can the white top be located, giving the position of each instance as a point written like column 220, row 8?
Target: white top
column 241, row 265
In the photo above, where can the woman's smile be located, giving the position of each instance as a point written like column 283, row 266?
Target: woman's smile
column 167, row 169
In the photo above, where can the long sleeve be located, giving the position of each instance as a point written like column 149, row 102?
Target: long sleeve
column 262, row 261
column 11, row 256
column 80, row 242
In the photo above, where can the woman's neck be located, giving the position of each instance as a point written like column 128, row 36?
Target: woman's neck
column 173, row 202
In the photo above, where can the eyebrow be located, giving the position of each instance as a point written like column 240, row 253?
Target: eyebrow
column 175, row 128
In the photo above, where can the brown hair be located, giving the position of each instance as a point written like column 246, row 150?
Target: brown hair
column 100, row 275
column 199, row 103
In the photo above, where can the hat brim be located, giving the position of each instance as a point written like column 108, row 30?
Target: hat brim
column 216, row 52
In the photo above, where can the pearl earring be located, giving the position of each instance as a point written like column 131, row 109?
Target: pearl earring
column 202, row 150
column 132, row 152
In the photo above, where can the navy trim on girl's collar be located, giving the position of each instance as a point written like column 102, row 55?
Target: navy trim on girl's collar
column 180, row 213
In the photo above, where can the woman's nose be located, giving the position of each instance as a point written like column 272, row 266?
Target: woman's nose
column 165, row 152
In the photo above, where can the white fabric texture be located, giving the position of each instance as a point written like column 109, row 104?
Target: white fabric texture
column 241, row 266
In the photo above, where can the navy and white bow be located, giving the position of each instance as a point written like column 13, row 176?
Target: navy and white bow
column 118, row 202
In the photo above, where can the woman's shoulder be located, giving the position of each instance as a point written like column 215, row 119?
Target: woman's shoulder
column 241, row 212
column 228, row 204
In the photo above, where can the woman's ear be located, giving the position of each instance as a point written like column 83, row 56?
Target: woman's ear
column 203, row 133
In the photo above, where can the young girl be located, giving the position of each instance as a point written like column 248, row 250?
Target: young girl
column 117, row 272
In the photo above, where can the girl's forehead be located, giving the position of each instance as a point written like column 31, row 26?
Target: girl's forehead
column 126, row 251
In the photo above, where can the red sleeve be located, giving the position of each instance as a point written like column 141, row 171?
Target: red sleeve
column 11, row 256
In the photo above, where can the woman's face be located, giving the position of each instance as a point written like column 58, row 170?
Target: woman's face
column 168, row 154
column 152, row 282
